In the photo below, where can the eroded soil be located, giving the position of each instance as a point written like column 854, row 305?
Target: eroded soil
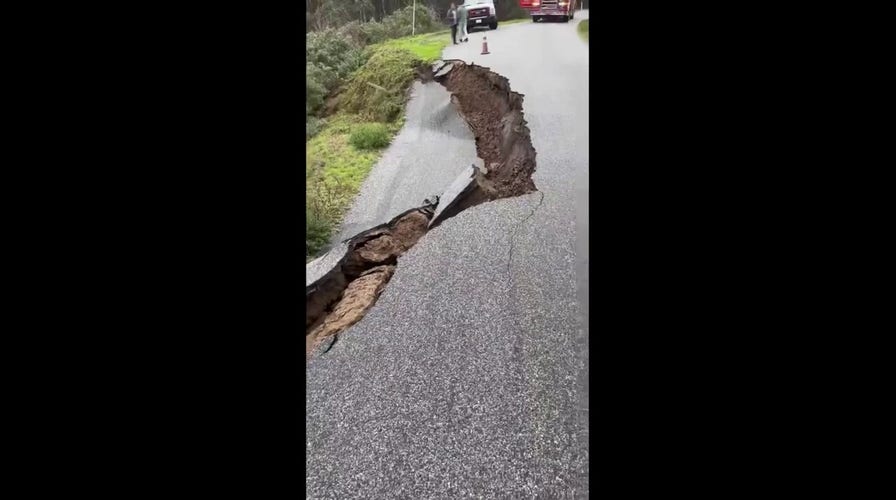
column 342, row 296
column 495, row 115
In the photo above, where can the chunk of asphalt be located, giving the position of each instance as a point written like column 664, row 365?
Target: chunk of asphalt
column 468, row 189
column 443, row 70
column 461, row 186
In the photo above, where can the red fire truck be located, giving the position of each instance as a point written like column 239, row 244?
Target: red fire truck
column 559, row 10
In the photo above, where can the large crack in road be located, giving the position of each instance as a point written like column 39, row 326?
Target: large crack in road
column 364, row 263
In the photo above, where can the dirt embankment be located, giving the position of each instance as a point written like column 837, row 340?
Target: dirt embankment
column 495, row 115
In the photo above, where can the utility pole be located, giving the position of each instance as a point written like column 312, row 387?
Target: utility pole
column 414, row 19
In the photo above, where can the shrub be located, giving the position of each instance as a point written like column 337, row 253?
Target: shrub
column 318, row 82
column 317, row 232
column 374, row 32
column 334, row 54
column 328, row 48
column 354, row 32
column 377, row 91
column 332, row 57
column 370, row 136
column 326, row 198
column 313, row 125
column 399, row 23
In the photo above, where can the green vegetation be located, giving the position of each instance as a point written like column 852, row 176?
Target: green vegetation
column 427, row 47
column 377, row 90
column 583, row 29
column 335, row 169
column 333, row 55
column 370, row 136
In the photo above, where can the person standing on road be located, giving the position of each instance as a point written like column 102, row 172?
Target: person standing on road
column 462, row 20
column 452, row 18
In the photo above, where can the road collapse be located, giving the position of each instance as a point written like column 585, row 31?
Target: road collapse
column 346, row 282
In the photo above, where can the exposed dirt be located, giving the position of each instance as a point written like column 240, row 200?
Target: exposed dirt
column 358, row 297
column 494, row 113
column 386, row 247
column 341, row 297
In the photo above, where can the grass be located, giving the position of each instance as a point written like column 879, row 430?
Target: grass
column 426, row 48
column 377, row 90
column 331, row 154
column 334, row 172
column 370, row 136
column 583, row 29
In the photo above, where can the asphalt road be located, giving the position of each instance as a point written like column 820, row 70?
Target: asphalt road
column 468, row 378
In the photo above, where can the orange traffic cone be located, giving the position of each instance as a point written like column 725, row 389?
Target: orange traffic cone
column 484, row 46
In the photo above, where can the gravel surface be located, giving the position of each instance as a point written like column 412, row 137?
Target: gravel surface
column 468, row 378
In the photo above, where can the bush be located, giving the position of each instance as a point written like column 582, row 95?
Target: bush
column 364, row 34
column 353, row 33
column 395, row 25
column 374, row 32
column 334, row 54
column 332, row 57
column 387, row 68
column 399, row 23
column 326, row 199
column 313, row 125
column 318, row 82
column 329, row 48
column 317, row 232
column 370, row 136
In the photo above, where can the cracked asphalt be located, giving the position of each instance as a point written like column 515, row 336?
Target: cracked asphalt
column 468, row 378
column 430, row 150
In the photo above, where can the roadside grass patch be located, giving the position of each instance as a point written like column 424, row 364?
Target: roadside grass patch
column 370, row 136
column 583, row 29
column 334, row 171
column 317, row 232
column 427, row 48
